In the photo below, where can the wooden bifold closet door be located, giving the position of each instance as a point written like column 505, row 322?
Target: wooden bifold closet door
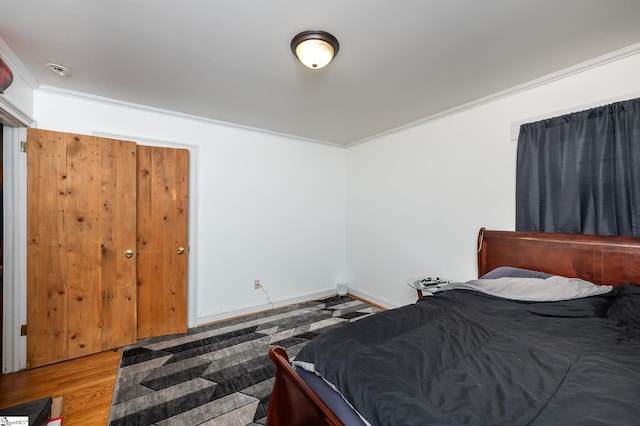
column 106, row 244
column 81, row 222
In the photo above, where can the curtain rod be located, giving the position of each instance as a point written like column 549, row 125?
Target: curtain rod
column 515, row 125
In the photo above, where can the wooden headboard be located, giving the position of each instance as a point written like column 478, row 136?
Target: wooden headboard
column 595, row 258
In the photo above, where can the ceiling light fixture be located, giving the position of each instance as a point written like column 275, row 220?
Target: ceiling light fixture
column 315, row 49
column 58, row 69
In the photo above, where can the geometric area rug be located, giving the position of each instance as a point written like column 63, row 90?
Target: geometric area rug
column 219, row 374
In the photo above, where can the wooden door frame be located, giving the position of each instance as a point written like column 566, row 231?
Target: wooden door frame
column 14, row 356
column 192, row 280
column 15, row 121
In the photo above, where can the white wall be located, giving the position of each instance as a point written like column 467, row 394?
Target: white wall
column 268, row 207
column 417, row 198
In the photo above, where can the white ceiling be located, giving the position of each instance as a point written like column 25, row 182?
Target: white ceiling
column 230, row 60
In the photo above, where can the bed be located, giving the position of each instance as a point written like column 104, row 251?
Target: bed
column 464, row 356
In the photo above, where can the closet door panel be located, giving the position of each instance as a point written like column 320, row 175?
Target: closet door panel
column 118, row 238
column 162, row 240
column 101, row 213
column 46, row 254
column 84, row 257
column 96, row 213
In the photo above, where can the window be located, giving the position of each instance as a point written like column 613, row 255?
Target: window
column 580, row 172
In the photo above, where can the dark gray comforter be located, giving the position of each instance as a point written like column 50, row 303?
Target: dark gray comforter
column 462, row 357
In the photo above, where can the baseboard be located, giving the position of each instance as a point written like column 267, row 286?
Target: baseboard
column 265, row 306
column 372, row 300
column 240, row 312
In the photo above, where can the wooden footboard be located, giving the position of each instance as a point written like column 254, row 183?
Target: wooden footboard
column 292, row 401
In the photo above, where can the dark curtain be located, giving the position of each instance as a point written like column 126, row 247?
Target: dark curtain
column 580, row 173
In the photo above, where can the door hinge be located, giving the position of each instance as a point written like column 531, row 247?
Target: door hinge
column 23, row 146
column 23, row 330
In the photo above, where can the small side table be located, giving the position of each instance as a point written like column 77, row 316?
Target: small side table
column 427, row 285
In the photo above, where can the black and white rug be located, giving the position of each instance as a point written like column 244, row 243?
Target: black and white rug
column 219, row 374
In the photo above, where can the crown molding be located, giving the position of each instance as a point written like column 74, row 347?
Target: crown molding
column 634, row 49
column 146, row 108
column 549, row 78
column 16, row 65
column 13, row 116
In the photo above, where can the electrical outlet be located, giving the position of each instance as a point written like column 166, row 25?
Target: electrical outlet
column 256, row 284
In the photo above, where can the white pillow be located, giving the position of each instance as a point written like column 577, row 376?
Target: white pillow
column 551, row 289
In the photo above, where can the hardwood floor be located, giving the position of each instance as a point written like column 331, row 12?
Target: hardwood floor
column 86, row 385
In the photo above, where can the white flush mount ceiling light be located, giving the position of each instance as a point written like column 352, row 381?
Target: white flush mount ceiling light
column 58, row 69
column 315, row 49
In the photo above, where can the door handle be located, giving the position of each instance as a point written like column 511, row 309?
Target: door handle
column 128, row 254
column 180, row 250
